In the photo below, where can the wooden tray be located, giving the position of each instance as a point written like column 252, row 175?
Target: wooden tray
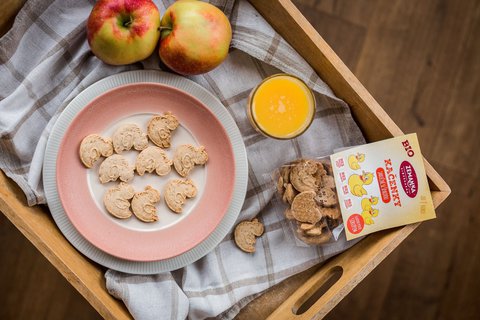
column 327, row 284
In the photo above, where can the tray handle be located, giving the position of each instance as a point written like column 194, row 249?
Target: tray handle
column 307, row 300
column 339, row 275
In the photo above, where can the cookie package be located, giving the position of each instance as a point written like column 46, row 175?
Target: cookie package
column 307, row 189
column 355, row 191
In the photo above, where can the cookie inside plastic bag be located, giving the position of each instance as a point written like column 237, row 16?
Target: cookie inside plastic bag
column 307, row 188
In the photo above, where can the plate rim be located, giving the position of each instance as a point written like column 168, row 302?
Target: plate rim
column 83, row 99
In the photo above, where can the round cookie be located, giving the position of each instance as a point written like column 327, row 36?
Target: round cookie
column 305, row 209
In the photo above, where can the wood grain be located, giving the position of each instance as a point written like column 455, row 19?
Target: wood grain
column 372, row 36
column 36, row 224
column 31, row 287
column 420, row 59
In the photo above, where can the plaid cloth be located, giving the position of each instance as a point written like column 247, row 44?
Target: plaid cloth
column 45, row 62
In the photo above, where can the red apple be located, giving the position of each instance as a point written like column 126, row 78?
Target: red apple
column 123, row 31
column 195, row 37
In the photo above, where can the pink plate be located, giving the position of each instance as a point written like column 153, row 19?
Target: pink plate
column 81, row 193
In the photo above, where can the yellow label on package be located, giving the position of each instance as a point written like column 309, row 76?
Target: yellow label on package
column 382, row 185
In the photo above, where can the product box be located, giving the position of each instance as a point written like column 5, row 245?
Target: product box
column 382, row 185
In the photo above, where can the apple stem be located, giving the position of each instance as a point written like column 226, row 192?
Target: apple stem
column 128, row 23
column 165, row 28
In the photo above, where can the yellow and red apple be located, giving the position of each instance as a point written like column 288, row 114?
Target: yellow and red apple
column 195, row 37
column 123, row 31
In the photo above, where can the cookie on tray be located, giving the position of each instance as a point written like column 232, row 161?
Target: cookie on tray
column 246, row 233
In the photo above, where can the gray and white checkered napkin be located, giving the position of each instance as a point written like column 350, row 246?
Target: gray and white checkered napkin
column 45, row 62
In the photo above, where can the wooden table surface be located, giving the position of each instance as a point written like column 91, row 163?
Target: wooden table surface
column 416, row 58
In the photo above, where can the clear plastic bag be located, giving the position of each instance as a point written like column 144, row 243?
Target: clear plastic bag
column 307, row 189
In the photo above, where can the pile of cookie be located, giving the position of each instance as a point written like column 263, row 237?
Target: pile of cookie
column 308, row 187
column 121, row 201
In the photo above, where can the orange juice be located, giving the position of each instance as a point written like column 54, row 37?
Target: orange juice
column 281, row 107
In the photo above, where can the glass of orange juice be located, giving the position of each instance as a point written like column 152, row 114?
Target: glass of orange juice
column 282, row 106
